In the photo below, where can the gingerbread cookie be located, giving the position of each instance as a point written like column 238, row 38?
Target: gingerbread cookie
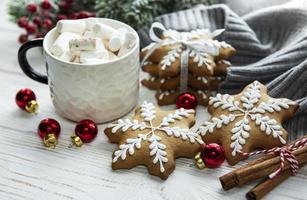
column 247, row 121
column 173, row 69
column 168, row 97
column 172, row 83
column 154, row 138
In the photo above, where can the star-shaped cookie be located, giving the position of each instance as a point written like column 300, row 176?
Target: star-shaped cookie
column 154, row 138
column 247, row 121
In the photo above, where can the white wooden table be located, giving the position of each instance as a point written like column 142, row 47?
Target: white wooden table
column 30, row 171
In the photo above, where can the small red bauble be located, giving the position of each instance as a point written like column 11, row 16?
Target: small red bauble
column 31, row 7
column 186, row 100
column 86, row 131
column 26, row 100
column 23, row 38
column 31, row 28
column 212, row 155
column 45, row 4
column 49, row 130
column 22, row 22
column 47, row 24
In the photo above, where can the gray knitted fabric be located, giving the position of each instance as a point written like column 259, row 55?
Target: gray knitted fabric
column 271, row 47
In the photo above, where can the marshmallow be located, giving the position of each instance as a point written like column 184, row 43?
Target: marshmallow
column 75, row 57
column 89, row 34
column 100, row 54
column 61, row 43
column 115, row 43
column 90, row 22
column 65, row 56
column 127, row 45
column 122, row 39
column 75, row 26
column 85, row 44
column 112, row 56
column 103, row 31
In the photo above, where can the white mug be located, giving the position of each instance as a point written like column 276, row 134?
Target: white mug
column 101, row 92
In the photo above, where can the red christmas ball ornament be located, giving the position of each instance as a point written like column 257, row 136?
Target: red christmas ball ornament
column 26, row 100
column 23, row 38
column 86, row 131
column 212, row 155
column 45, row 4
column 47, row 24
column 186, row 100
column 31, row 28
column 31, row 7
column 22, row 22
column 49, row 130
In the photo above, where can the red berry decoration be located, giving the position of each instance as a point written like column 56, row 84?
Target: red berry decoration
column 31, row 28
column 212, row 156
column 37, row 20
column 85, row 132
column 186, row 100
column 45, row 4
column 84, row 14
column 47, row 24
column 61, row 17
column 49, row 130
column 23, row 38
column 39, row 35
column 22, row 22
column 26, row 100
column 31, row 8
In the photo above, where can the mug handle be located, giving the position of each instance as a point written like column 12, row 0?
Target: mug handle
column 24, row 64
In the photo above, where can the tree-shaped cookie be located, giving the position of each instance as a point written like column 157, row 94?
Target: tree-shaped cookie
column 247, row 121
column 154, row 138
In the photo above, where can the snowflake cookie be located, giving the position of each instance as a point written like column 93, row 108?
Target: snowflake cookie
column 247, row 121
column 154, row 138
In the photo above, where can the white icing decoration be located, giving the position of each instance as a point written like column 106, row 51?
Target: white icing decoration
column 247, row 109
column 125, row 124
column 182, row 133
column 148, row 111
column 156, row 147
column 165, row 93
column 269, row 126
column 162, row 80
column 203, row 79
column 203, row 94
column 221, row 44
column 201, row 59
column 178, row 115
column 226, row 62
column 225, row 102
column 171, row 56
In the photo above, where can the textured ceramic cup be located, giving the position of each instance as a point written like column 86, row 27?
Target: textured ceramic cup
column 101, row 92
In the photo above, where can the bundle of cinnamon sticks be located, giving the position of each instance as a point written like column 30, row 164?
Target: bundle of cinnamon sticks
column 263, row 167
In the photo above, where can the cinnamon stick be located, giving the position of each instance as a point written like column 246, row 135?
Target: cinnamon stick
column 267, row 185
column 267, row 167
column 230, row 180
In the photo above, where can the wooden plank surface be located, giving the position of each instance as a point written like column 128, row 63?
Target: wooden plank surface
column 30, row 171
